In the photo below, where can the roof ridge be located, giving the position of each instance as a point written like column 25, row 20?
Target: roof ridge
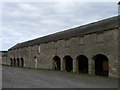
column 80, row 30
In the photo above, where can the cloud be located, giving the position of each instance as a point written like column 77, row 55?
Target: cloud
column 26, row 6
column 29, row 20
column 59, row 0
column 10, row 30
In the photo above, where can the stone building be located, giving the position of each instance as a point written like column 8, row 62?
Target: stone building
column 90, row 49
column 3, row 57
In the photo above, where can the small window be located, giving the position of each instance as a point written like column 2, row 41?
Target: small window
column 53, row 44
column 39, row 49
column 81, row 40
column 32, row 47
column 99, row 37
column 46, row 46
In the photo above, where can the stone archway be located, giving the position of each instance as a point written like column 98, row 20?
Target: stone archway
column 68, row 63
column 22, row 62
column 35, row 62
column 14, row 61
column 101, row 65
column 56, row 63
column 82, row 63
column 18, row 62
column 11, row 61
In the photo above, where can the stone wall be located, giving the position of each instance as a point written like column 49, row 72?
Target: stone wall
column 105, row 43
column 3, row 57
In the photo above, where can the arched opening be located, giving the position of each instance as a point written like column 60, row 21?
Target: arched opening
column 57, row 63
column 22, row 62
column 101, row 65
column 35, row 62
column 11, row 61
column 18, row 62
column 14, row 62
column 82, row 62
column 68, row 63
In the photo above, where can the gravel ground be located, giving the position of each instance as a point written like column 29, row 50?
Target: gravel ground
column 16, row 77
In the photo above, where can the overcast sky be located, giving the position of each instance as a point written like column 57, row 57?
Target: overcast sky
column 25, row 21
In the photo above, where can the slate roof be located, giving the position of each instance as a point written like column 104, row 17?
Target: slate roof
column 106, row 24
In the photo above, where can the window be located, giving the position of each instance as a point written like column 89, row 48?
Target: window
column 32, row 47
column 46, row 45
column 99, row 37
column 81, row 40
column 39, row 49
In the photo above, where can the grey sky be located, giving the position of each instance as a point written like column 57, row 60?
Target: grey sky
column 26, row 21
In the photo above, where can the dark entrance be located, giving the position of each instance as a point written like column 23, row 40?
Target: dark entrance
column 57, row 63
column 101, row 65
column 14, row 62
column 11, row 61
column 22, row 62
column 18, row 62
column 82, row 64
column 68, row 63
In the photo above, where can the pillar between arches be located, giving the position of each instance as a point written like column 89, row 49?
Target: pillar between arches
column 75, row 65
column 62, row 65
column 91, row 67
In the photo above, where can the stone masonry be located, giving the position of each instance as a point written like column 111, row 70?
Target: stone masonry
column 90, row 49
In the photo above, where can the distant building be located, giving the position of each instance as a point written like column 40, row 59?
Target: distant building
column 3, row 57
column 90, row 49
